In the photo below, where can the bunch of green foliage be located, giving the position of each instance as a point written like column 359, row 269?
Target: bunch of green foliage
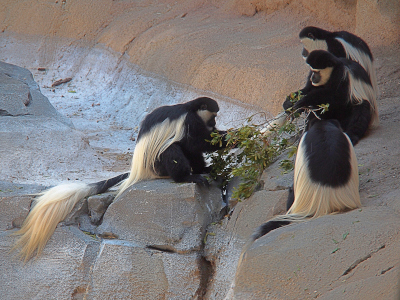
column 250, row 149
column 254, row 153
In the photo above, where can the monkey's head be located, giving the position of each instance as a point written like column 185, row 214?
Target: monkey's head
column 207, row 110
column 321, row 64
column 313, row 38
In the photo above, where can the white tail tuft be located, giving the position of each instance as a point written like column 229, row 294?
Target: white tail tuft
column 50, row 208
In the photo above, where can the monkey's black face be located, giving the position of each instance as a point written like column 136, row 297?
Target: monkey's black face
column 315, row 77
column 305, row 53
column 211, row 122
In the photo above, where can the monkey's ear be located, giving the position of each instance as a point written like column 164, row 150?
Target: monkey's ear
column 203, row 107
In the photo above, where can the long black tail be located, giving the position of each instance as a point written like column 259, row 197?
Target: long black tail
column 267, row 227
column 104, row 185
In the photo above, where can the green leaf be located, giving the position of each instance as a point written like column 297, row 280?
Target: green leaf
column 334, row 250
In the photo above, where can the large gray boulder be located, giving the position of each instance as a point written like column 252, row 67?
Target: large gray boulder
column 153, row 247
column 36, row 141
column 163, row 214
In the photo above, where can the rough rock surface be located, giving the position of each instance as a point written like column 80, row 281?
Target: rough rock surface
column 30, row 124
column 128, row 262
column 242, row 51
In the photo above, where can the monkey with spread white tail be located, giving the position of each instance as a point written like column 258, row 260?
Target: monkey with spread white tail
column 171, row 143
column 325, row 177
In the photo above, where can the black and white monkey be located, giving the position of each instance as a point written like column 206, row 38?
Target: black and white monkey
column 171, row 143
column 347, row 45
column 345, row 86
column 341, row 44
column 325, row 177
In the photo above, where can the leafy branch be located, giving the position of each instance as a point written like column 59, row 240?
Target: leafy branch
column 252, row 148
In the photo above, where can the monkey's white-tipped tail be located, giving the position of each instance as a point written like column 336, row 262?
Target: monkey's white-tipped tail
column 51, row 207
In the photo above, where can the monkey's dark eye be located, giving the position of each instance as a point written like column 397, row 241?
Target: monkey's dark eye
column 203, row 107
column 311, row 36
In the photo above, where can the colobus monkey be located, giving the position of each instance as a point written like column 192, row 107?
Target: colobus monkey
column 171, row 142
column 343, row 44
column 325, row 176
column 345, row 86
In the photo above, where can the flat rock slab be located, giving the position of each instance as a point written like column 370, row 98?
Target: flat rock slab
column 125, row 271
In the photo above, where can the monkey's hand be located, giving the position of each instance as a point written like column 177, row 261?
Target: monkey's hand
column 302, row 103
column 287, row 104
column 291, row 100
column 196, row 178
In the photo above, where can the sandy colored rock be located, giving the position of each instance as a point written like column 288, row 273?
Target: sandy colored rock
column 312, row 258
column 235, row 48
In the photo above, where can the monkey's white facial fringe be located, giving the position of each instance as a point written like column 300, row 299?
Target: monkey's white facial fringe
column 325, row 75
column 149, row 148
column 311, row 45
column 51, row 207
column 206, row 115
column 365, row 61
column 313, row 200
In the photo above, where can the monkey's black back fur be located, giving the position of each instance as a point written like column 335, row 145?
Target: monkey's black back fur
column 173, row 112
column 334, row 46
column 328, row 152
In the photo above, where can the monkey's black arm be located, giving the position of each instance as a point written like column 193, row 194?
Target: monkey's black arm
column 358, row 122
column 288, row 104
column 316, row 97
column 174, row 163
column 267, row 227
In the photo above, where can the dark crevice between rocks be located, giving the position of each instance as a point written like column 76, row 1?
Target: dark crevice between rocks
column 163, row 248
column 207, row 270
column 388, row 269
